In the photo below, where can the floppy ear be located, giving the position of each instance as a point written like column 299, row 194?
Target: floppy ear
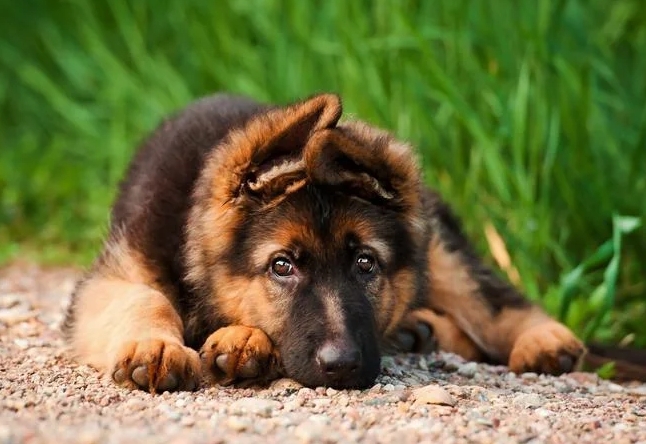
column 365, row 162
column 264, row 158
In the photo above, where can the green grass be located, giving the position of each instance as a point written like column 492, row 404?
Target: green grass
column 529, row 116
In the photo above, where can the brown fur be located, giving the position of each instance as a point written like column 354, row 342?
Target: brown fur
column 278, row 241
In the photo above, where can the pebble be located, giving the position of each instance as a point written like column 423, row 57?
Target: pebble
column 432, row 394
column 11, row 300
column 292, row 404
column 529, row 376
column 15, row 315
column 544, row 413
column 321, row 402
column 468, row 370
column 331, row 392
column 343, row 400
column 238, row 423
column 187, row 421
column 528, row 400
column 256, row 406
column 306, row 392
column 615, row 388
column 311, row 431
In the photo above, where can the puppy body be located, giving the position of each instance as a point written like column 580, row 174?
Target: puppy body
column 277, row 240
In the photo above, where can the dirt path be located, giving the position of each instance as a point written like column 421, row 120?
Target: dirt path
column 46, row 398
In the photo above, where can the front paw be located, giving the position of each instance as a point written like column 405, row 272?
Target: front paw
column 546, row 348
column 238, row 354
column 156, row 365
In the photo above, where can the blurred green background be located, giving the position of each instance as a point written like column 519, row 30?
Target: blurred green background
column 530, row 115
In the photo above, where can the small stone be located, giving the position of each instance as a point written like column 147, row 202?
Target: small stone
column 403, row 407
column 331, row 392
column 529, row 376
column 543, row 413
column 187, row 421
column 10, row 300
column 432, row 394
column 376, row 388
column 389, row 387
column 639, row 390
column 256, row 406
column 172, row 414
column 306, row 392
column 284, row 384
column 376, row 401
column 92, row 436
column 238, row 423
column 562, row 387
column 468, row 370
column 583, row 378
column 293, row 405
column 135, row 404
column 22, row 344
column 310, row 431
column 615, row 388
column 528, row 400
column 16, row 315
column 322, row 402
column 484, row 422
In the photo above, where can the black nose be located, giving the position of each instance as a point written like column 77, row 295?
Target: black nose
column 339, row 360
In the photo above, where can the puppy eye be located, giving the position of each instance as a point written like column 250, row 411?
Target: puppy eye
column 282, row 267
column 365, row 263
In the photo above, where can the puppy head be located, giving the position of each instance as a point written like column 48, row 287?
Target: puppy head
column 309, row 230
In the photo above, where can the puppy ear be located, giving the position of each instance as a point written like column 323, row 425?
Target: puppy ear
column 365, row 162
column 264, row 158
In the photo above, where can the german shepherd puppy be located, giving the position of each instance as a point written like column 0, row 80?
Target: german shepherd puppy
column 277, row 241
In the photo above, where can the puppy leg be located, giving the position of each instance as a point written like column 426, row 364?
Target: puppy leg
column 507, row 327
column 130, row 330
column 240, row 354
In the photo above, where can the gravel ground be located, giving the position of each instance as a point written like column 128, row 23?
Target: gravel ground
column 44, row 397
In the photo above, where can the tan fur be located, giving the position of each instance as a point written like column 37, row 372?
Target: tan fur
column 402, row 291
column 334, row 316
column 456, row 295
column 211, row 223
column 251, row 302
column 242, row 344
column 120, row 314
column 403, row 165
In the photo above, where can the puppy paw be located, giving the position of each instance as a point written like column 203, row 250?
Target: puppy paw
column 415, row 335
column 239, row 354
column 546, row 348
column 156, row 366
column 425, row 331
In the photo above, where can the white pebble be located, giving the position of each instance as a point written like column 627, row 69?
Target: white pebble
column 468, row 370
column 256, row 406
column 432, row 394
